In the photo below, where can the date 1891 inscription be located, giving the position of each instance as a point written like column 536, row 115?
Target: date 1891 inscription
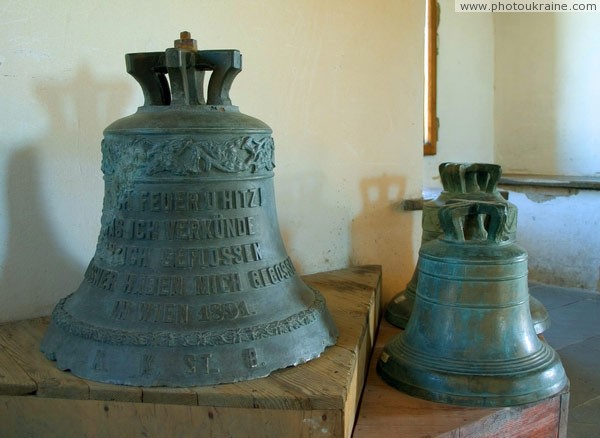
column 175, row 313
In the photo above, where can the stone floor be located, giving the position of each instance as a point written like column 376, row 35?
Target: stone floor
column 575, row 334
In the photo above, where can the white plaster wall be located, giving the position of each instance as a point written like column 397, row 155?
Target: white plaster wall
column 547, row 93
column 340, row 83
column 465, row 95
column 557, row 228
column 547, row 104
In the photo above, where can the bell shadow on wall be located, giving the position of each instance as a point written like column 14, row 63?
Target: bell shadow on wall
column 34, row 264
column 36, row 270
column 382, row 234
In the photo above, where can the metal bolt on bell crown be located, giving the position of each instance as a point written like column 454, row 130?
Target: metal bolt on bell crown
column 468, row 181
column 470, row 339
column 190, row 283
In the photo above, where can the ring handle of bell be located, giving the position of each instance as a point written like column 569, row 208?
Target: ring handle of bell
column 185, row 67
column 463, row 221
column 466, row 178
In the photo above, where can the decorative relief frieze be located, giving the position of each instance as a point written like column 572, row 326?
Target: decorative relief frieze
column 187, row 156
column 124, row 162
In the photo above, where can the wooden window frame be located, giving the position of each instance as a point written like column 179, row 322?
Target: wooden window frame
column 431, row 122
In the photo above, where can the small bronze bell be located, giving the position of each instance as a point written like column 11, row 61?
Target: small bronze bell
column 477, row 182
column 190, row 283
column 470, row 339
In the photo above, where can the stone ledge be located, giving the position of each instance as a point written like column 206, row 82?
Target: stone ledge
column 553, row 181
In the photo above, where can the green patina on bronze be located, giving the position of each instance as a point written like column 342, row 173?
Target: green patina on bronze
column 470, row 339
column 468, row 181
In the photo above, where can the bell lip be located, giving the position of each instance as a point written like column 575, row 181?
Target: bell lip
column 55, row 353
column 239, row 375
column 411, row 375
column 539, row 315
column 306, row 340
column 475, row 401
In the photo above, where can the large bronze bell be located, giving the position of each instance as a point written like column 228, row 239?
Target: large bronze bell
column 478, row 182
column 190, row 283
column 470, row 339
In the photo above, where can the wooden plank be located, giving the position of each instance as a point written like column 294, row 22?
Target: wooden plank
column 108, row 392
column 358, row 282
column 35, row 416
column 319, row 384
column 13, row 380
column 352, row 318
column 172, row 396
column 357, row 383
column 352, row 282
column 355, row 279
column 22, row 341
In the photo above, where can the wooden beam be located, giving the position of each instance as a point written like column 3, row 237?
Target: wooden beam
column 431, row 120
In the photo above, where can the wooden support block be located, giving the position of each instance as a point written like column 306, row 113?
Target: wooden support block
column 318, row 398
column 13, row 379
column 387, row 412
column 22, row 341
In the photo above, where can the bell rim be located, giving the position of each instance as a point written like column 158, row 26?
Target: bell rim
column 475, row 400
column 411, row 377
column 537, row 360
column 80, row 358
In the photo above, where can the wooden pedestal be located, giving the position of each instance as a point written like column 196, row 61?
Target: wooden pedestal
column 316, row 399
column 319, row 398
column 387, row 412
